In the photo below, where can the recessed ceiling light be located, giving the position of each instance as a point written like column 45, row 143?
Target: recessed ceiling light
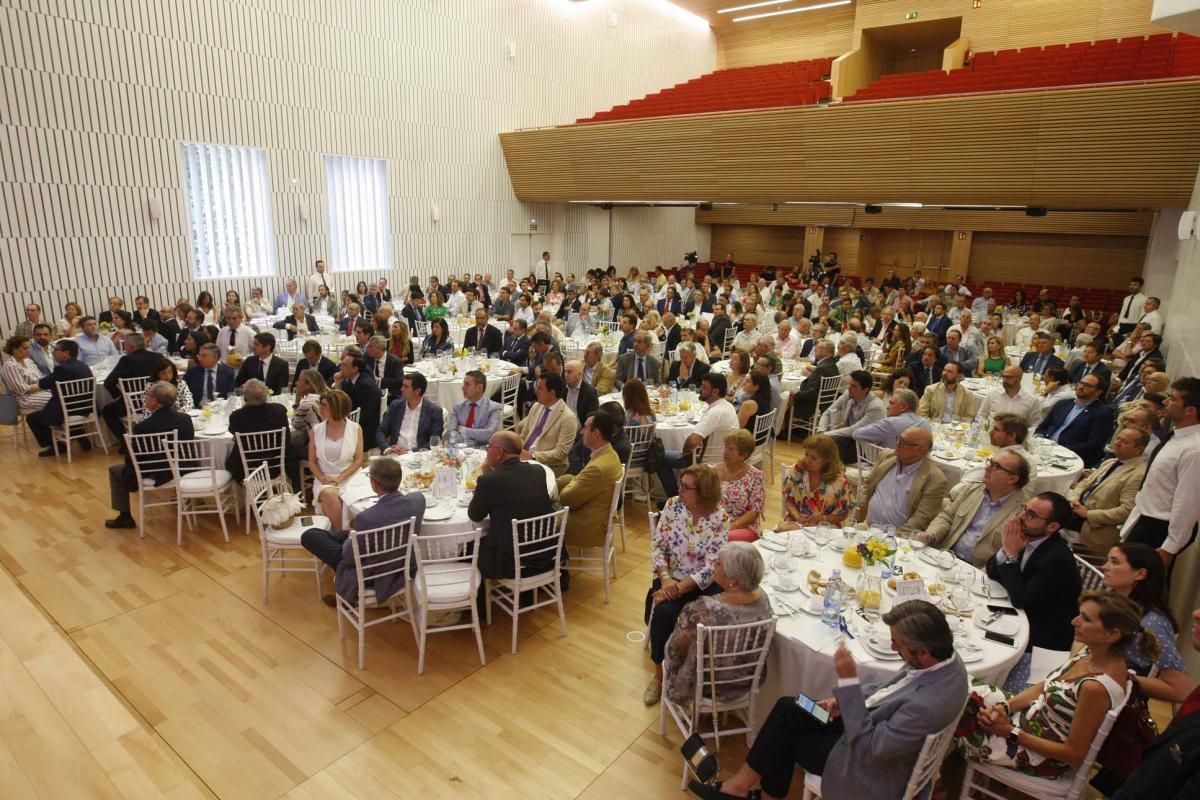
column 817, row 7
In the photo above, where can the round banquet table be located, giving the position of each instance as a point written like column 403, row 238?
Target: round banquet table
column 672, row 428
column 1058, row 467
column 801, row 656
column 215, row 427
column 1011, row 326
column 980, row 387
column 791, row 379
column 445, row 376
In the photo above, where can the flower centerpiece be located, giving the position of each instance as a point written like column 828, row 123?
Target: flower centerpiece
column 875, row 551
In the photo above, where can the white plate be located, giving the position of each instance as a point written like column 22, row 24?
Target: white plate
column 437, row 513
column 1005, row 624
column 213, row 432
column 998, row 592
column 195, row 412
column 881, row 653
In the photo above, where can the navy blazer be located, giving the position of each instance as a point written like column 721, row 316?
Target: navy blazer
column 138, row 364
column 1087, row 434
column 663, row 308
column 70, row 370
column 324, row 366
column 365, row 394
column 224, row 380
column 939, row 326
column 1030, row 359
column 1101, row 369
column 492, row 342
column 516, row 349
column 921, row 378
column 1047, row 589
column 389, row 509
column 277, row 373
column 430, row 424
column 309, row 320
column 1134, row 367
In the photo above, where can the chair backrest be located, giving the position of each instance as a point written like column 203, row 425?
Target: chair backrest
column 614, row 508
column 510, row 386
column 259, row 488
column 658, row 350
column 712, row 449
column 1084, row 772
column 382, row 552
column 830, row 386
column 133, row 390
column 422, row 329
column 151, row 454
column 764, row 428
column 610, row 325
column 868, row 455
column 1093, row 579
column 930, row 758
column 262, row 447
column 784, row 397
column 355, row 415
column 539, row 539
column 456, row 555
column 731, row 658
column 728, row 343
column 640, row 437
column 191, row 455
column 77, row 398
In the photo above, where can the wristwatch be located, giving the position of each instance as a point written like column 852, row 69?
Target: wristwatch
column 1013, row 741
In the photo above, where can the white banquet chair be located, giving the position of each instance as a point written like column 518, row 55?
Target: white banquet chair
column 764, row 434
column 262, row 447
column 133, row 392
column 447, row 580
column 532, row 538
column 603, row 564
column 856, row 474
column 201, row 485
column 1093, row 578
column 378, row 553
column 509, row 413
column 826, row 394
column 279, row 544
column 151, row 455
column 77, row 399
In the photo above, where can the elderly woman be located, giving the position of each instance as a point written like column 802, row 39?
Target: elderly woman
column 816, row 490
column 438, row 342
column 21, row 375
column 743, row 491
column 687, row 372
column 335, row 453
column 738, row 571
column 690, row 531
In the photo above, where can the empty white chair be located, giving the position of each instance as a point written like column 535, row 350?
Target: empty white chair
column 447, row 580
column 510, row 412
column 603, row 563
column 1093, row 579
column 764, row 438
column 281, row 548
column 537, row 541
column 151, row 454
column 77, row 399
column 262, row 447
column 133, row 392
column 378, row 553
column 201, row 485
column 826, row 394
column 729, row 665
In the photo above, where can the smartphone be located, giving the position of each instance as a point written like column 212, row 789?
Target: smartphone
column 999, row 637
column 1012, row 612
column 819, row 713
column 306, row 520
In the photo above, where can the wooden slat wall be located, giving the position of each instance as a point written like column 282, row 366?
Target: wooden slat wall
column 1109, row 147
column 814, row 34
column 1103, row 262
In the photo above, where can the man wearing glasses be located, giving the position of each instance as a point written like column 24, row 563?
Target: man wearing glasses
column 971, row 525
column 1082, row 425
column 906, row 489
column 1035, row 565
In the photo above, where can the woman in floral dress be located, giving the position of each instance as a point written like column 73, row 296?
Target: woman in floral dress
column 743, row 491
column 1046, row 730
column 816, row 490
column 691, row 530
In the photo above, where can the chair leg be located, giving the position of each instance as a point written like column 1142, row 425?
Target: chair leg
column 621, row 522
column 487, row 603
column 266, row 562
column 478, row 633
column 516, row 616
column 562, row 614
column 317, row 564
column 424, row 630
column 221, row 513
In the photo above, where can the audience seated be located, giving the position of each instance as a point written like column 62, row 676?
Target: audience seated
column 264, row 365
column 1089, row 364
column 1150, row 348
column 1084, row 424
column 235, row 337
column 926, row 369
column 948, row 400
column 743, row 491
column 596, row 371
column 1011, row 398
column 901, row 414
column 138, row 362
column 581, row 397
column 824, row 366
column 971, row 524
column 720, row 418
column 335, row 453
column 365, row 397
column 816, row 489
column 161, row 418
column 412, row 420
column 905, row 490
column 589, row 493
column 853, row 409
column 958, row 353
column 1103, row 499
column 1141, row 382
column 67, row 367
column 22, row 377
column 209, row 379
column 687, row 370
column 256, row 416
column 639, row 363
column 549, row 429
column 1042, row 357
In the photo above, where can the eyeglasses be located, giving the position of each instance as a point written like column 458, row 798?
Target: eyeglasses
column 1029, row 513
column 991, row 462
column 683, row 487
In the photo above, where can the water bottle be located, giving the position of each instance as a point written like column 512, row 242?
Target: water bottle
column 973, row 436
column 831, row 609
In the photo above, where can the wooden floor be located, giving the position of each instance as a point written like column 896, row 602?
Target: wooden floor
column 135, row 668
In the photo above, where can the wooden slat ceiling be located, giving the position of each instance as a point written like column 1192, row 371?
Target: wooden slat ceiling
column 1125, row 147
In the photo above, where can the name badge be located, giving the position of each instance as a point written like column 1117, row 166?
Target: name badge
column 911, row 590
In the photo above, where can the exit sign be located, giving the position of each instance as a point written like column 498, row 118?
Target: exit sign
column 911, row 15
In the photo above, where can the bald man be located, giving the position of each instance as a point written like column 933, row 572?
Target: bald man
column 1011, row 398
column 906, row 489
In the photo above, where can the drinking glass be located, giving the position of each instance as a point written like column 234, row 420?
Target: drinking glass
column 959, row 599
column 798, row 544
column 435, row 442
column 824, row 532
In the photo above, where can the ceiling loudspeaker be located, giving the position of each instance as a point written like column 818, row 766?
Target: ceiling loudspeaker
column 706, row 206
column 873, row 209
column 1035, row 211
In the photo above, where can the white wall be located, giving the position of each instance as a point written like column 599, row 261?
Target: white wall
column 96, row 97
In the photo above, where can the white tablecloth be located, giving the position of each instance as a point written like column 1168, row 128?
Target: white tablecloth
column 793, row 373
column 1011, row 326
column 673, row 429
column 445, row 384
column 215, row 427
column 1058, row 467
column 801, row 657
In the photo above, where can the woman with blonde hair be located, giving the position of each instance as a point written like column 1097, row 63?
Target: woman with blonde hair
column 738, row 382
column 816, row 490
column 994, row 360
column 68, row 326
column 400, row 342
column 743, row 490
column 306, row 415
column 335, row 453
column 690, row 531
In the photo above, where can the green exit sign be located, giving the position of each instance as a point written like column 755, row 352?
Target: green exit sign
column 911, row 15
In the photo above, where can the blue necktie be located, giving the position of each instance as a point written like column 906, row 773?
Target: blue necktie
column 210, row 391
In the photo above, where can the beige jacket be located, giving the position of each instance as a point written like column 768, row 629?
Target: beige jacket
column 557, row 437
column 1109, row 505
column 604, row 376
column 589, row 496
column 933, row 402
column 924, row 498
column 949, row 525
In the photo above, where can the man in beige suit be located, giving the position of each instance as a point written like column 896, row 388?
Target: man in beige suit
column 1103, row 499
column 548, row 430
column 596, row 371
column 906, row 489
column 947, row 399
column 972, row 524
column 589, row 494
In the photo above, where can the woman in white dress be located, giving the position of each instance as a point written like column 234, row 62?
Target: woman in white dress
column 335, row 453
column 21, row 376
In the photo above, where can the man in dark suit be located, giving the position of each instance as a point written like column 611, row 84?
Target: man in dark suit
column 256, row 416
column 638, row 363
column 298, row 324
column 314, row 360
column 582, row 398
column 825, row 366
column 193, row 323
column 171, row 324
column 393, row 436
column 508, row 489
column 1151, row 344
column 1082, row 425
column 67, row 367
column 138, row 362
column 1037, row 569
column 1089, row 364
column 1042, row 358
column 385, row 367
column 515, row 348
column 939, row 323
column 393, row 507
column 351, row 320
column 162, row 417
column 928, row 370
column 483, row 336
column 264, row 365
column 209, row 379
column 412, row 311
column 364, row 393
column 672, row 333
column 696, row 369
column 718, row 326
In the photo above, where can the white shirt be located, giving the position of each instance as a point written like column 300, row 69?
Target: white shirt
column 408, row 428
column 525, row 314
column 238, row 340
column 788, row 348
column 720, row 416
column 317, row 280
column 457, row 303
column 542, row 269
column 1169, row 491
column 1024, row 405
column 849, row 363
column 1064, row 392
column 1131, row 309
column 1025, row 338
column 1154, row 319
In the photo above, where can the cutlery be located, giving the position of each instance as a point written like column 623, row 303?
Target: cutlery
column 844, row 627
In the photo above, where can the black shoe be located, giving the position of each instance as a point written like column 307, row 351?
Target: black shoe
column 564, row 580
column 86, row 445
column 329, row 600
column 712, row 791
column 49, row 452
column 121, row 521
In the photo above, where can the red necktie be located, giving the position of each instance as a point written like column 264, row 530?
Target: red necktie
column 471, row 417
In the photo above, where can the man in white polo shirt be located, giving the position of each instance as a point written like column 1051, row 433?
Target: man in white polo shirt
column 719, row 418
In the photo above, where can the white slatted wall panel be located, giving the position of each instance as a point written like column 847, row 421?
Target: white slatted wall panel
column 95, row 97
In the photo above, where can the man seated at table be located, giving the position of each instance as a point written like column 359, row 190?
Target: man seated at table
column 391, row 507
column 971, row 336
column 1042, row 357
column 956, row 352
column 502, row 308
column 515, row 347
column 869, row 747
column 256, row 416
column 948, row 399
column 1103, row 499
column 508, row 489
column 1035, row 566
column 1089, row 363
column 1084, row 424
column 548, row 430
column 312, row 358
column 67, row 367
column 209, row 379
column 384, row 366
column 298, row 324
column 581, row 397
column 138, row 362
column 589, row 494
column 161, row 418
column 927, row 371
column 901, row 414
column 411, row 421
column 905, row 489
column 849, row 359
column 482, row 336
column 785, row 341
column 853, row 409
column 264, row 365
column 804, row 403
column 970, row 525
column 596, row 371
column 1141, row 382
column 638, row 363
column 719, row 419
column 1008, row 432
column 1010, row 397
column 234, row 335
column 478, row 416
column 579, row 455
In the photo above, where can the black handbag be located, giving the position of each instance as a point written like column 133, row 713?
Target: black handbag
column 656, row 454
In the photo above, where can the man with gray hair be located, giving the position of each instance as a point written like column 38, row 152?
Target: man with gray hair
column 161, row 418
column 138, row 362
column 869, row 746
column 596, row 370
column 384, row 366
column 509, row 489
column 848, row 360
column 638, row 363
column 901, row 414
column 256, row 416
column 392, row 508
column 824, row 367
column 905, row 490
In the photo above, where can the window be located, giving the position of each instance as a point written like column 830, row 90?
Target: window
column 229, row 211
column 359, row 236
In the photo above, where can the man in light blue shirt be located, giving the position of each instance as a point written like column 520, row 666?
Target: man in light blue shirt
column 889, row 503
column 155, row 342
column 93, row 347
column 902, row 413
column 477, row 417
